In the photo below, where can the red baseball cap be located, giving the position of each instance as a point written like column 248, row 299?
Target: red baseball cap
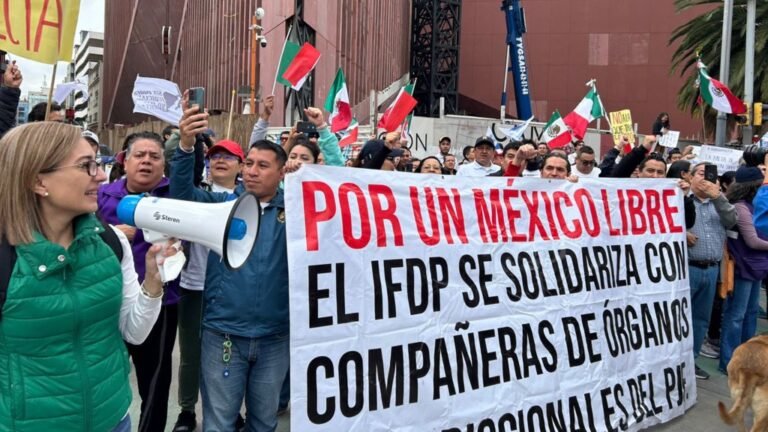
column 228, row 146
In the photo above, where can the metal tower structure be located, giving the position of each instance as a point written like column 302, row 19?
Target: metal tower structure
column 435, row 35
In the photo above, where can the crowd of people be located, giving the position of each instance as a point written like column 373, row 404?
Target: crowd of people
column 90, row 284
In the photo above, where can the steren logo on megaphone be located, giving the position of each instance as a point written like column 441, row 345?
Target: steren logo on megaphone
column 159, row 216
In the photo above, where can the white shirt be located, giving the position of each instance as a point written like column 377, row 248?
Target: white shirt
column 474, row 169
column 193, row 276
column 441, row 157
column 138, row 312
column 595, row 173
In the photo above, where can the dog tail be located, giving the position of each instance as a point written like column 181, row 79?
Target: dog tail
column 743, row 399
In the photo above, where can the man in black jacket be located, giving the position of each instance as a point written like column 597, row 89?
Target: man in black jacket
column 652, row 165
column 9, row 97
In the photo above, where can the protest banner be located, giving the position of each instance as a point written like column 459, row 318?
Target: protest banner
column 726, row 159
column 621, row 124
column 670, row 139
column 432, row 303
column 159, row 98
column 40, row 30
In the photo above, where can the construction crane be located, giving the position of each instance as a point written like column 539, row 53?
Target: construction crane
column 516, row 62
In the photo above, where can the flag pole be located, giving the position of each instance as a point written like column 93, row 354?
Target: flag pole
column 50, row 91
column 231, row 112
column 503, row 109
column 599, row 99
column 277, row 71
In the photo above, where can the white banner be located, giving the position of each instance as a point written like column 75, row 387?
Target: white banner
column 159, row 98
column 726, row 159
column 432, row 303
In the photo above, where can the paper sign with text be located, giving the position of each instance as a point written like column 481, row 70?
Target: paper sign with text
column 440, row 303
column 670, row 139
column 157, row 97
column 621, row 124
column 726, row 159
column 40, row 30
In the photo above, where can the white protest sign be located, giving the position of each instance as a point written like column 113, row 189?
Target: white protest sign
column 670, row 139
column 726, row 159
column 439, row 303
column 63, row 91
column 157, row 97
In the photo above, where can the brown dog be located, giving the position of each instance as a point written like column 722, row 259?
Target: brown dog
column 748, row 381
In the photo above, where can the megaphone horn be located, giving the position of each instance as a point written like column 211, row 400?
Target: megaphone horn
column 229, row 228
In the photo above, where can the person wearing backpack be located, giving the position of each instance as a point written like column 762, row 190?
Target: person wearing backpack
column 69, row 293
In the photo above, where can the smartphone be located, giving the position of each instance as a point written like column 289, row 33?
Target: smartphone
column 197, row 97
column 710, row 173
column 306, row 127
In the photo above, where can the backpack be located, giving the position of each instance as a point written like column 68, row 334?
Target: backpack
column 8, row 259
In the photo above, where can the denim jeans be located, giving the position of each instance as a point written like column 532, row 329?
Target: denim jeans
column 124, row 425
column 739, row 317
column 703, row 284
column 285, row 392
column 256, row 369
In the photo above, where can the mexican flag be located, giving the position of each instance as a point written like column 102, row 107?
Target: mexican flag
column 298, row 66
column 556, row 132
column 586, row 111
column 717, row 95
column 394, row 116
column 337, row 104
column 349, row 136
column 406, row 130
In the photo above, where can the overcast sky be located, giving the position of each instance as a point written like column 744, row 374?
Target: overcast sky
column 91, row 18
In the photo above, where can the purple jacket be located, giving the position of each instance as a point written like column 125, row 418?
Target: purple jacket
column 109, row 197
column 748, row 248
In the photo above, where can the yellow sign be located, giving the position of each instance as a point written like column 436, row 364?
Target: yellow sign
column 621, row 124
column 40, row 30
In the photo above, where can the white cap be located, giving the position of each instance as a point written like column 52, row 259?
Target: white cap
column 91, row 135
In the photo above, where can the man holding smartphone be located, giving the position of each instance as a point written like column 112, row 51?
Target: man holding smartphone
column 244, row 346
column 706, row 240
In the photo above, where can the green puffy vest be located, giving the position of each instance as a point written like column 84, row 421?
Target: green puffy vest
column 63, row 363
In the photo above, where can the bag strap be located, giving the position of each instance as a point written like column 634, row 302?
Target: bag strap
column 7, row 262
column 112, row 240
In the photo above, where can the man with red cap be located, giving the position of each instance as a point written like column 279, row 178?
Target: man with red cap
column 225, row 162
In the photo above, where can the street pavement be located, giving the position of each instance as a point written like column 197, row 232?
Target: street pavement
column 702, row 417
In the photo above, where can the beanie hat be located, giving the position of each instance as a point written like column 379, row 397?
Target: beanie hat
column 747, row 174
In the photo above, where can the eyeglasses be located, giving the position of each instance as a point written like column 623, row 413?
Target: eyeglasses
column 588, row 163
column 91, row 167
column 226, row 157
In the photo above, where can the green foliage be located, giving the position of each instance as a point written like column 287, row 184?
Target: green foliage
column 703, row 34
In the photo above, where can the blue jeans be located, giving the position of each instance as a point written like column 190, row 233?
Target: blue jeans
column 124, row 425
column 703, row 284
column 739, row 317
column 285, row 392
column 256, row 370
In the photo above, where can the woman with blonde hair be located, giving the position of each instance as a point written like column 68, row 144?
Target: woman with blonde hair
column 69, row 293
